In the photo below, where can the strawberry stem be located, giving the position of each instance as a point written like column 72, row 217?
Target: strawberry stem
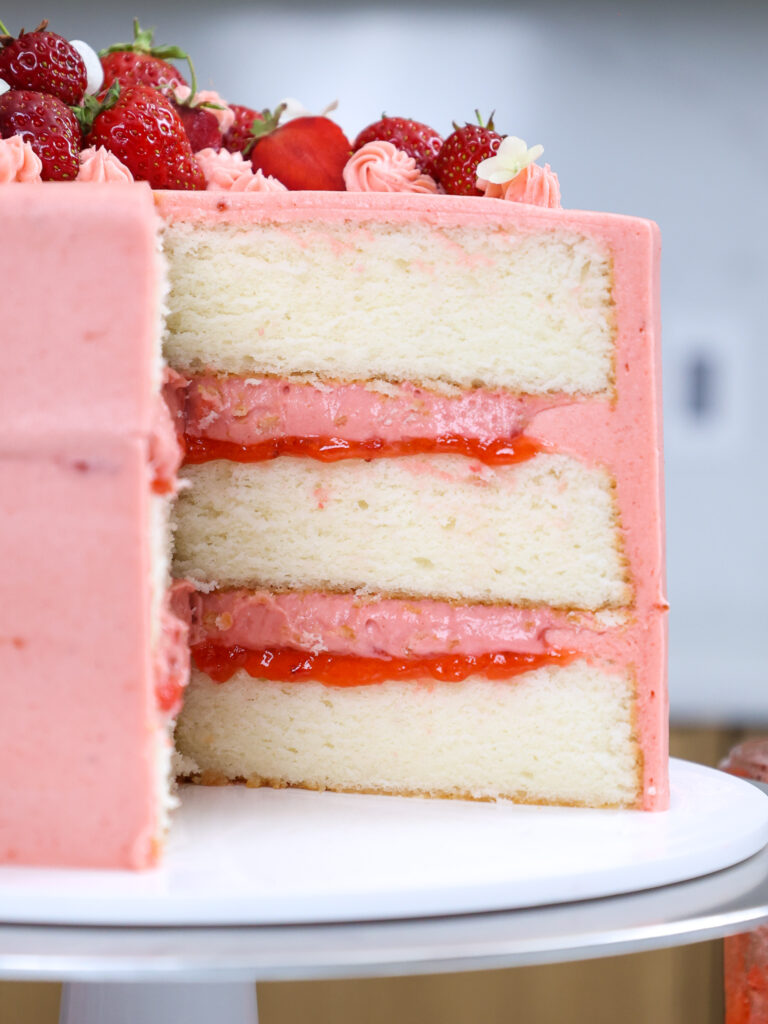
column 259, row 129
column 3, row 30
column 91, row 108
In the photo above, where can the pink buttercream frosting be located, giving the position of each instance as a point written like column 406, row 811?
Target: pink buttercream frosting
column 229, row 172
column 537, row 186
column 380, row 166
column 98, row 165
column 220, row 110
column 249, row 410
column 19, row 162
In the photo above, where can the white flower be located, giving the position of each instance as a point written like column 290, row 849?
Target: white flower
column 510, row 158
column 93, row 66
column 295, row 108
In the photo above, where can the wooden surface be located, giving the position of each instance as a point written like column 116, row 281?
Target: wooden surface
column 678, row 986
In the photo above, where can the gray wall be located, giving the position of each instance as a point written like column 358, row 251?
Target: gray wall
column 645, row 108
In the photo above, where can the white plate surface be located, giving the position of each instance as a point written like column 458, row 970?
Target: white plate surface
column 260, row 856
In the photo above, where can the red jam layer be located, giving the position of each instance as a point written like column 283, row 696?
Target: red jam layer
column 284, row 664
column 332, row 449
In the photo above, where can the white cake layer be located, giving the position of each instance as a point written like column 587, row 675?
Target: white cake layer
column 559, row 735
column 466, row 306
column 542, row 531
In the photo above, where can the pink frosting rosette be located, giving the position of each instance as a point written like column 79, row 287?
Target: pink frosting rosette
column 19, row 162
column 229, row 172
column 220, row 110
column 380, row 166
column 512, row 174
column 98, row 165
column 536, row 185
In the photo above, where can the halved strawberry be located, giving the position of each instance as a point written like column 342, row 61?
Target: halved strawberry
column 48, row 125
column 142, row 63
column 44, row 62
column 139, row 125
column 239, row 138
column 460, row 154
column 305, row 153
column 414, row 138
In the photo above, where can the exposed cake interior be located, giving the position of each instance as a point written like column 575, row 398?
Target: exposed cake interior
column 418, row 406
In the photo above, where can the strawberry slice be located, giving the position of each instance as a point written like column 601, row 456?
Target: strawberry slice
column 414, row 138
column 44, row 62
column 140, row 62
column 305, row 153
column 48, row 125
column 140, row 126
column 462, row 151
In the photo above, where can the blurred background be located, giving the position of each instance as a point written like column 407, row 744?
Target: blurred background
column 647, row 107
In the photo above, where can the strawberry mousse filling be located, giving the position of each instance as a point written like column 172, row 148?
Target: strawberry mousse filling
column 249, row 419
column 345, row 640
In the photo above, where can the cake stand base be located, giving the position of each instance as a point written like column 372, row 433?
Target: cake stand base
column 192, row 1003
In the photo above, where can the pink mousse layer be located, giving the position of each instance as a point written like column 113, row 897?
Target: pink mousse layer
column 622, row 433
column 248, row 410
column 340, row 624
column 83, row 445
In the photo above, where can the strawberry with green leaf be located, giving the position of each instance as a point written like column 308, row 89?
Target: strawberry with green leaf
column 140, row 62
column 140, row 126
column 462, row 151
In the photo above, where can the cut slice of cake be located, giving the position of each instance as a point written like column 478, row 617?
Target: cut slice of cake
column 424, row 503
column 93, row 659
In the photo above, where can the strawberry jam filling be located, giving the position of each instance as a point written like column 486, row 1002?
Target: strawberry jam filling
column 333, row 449
column 284, row 664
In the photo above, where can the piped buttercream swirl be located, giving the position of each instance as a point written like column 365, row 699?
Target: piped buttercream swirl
column 229, row 172
column 99, row 165
column 380, row 166
column 537, row 186
column 19, row 162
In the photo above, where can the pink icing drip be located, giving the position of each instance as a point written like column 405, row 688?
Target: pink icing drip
column 98, row 165
column 19, row 162
column 537, row 186
column 249, row 410
column 229, row 172
column 380, row 166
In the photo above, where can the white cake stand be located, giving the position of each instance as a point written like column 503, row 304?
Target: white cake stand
column 263, row 885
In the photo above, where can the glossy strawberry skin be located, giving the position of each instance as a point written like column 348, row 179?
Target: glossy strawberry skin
column 144, row 131
column 201, row 127
column 48, row 125
column 414, row 138
column 129, row 68
column 239, row 136
column 44, row 62
column 462, row 151
column 306, row 153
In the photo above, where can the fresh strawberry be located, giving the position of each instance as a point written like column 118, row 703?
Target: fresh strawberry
column 305, row 153
column 142, row 63
column 460, row 154
column 48, row 125
column 239, row 138
column 414, row 138
column 201, row 127
column 139, row 125
column 41, row 61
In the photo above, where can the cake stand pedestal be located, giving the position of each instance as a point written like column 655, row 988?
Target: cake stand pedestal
column 156, row 966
